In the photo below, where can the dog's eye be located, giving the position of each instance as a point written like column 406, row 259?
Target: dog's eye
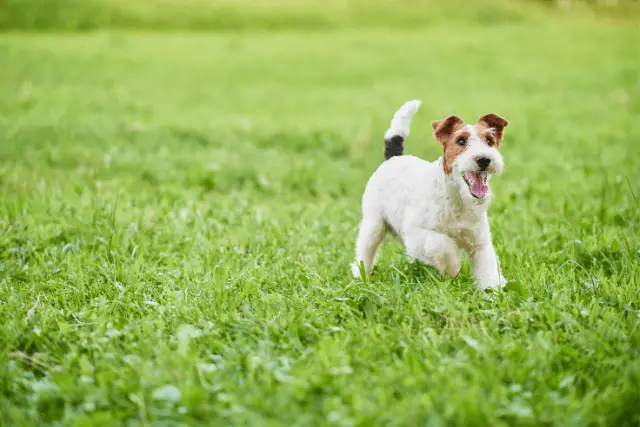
column 490, row 142
column 462, row 142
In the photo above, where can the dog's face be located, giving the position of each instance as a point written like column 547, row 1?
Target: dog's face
column 471, row 153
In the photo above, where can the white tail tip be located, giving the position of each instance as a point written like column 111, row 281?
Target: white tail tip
column 401, row 121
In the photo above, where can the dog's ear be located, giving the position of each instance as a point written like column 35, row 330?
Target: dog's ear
column 495, row 122
column 443, row 129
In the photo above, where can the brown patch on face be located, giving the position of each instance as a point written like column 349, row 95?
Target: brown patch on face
column 490, row 129
column 448, row 132
column 487, row 136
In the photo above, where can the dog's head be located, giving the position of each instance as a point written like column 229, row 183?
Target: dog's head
column 471, row 153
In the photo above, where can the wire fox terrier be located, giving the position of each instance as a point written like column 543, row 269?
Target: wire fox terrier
column 435, row 208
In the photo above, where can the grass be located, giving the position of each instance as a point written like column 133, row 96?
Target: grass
column 247, row 15
column 178, row 212
column 79, row 15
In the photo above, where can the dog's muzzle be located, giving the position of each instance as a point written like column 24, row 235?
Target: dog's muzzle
column 477, row 182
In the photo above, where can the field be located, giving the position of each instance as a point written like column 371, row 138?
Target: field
column 178, row 211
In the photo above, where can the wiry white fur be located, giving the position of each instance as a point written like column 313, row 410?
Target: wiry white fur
column 477, row 148
column 432, row 213
column 402, row 119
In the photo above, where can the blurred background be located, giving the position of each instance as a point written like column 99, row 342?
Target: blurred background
column 234, row 15
column 280, row 106
column 180, row 186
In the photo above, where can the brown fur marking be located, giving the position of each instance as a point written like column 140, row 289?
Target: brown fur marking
column 447, row 132
column 487, row 136
column 488, row 122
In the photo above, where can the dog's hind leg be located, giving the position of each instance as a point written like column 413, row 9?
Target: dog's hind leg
column 370, row 236
column 435, row 249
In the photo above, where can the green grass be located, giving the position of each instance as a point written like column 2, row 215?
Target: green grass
column 225, row 15
column 178, row 212
column 78, row 15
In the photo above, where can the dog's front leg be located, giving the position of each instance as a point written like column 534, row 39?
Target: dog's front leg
column 486, row 267
column 435, row 249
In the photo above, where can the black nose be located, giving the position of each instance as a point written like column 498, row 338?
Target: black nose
column 483, row 163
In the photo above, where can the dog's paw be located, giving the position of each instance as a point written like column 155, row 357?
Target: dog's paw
column 492, row 284
column 355, row 270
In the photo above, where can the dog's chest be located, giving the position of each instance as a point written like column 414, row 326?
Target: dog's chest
column 460, row 226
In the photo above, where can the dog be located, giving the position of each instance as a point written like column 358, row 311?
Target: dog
column 435, row 208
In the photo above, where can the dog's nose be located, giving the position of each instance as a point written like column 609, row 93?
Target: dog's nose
column 483, row 163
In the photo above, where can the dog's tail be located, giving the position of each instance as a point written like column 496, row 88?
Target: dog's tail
column 399, row 130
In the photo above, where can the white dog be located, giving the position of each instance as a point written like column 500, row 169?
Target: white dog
column 435, row 208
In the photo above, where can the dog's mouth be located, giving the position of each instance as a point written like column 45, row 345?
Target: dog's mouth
column 477, row 183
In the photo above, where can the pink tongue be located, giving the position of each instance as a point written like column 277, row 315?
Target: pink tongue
column 477, row 185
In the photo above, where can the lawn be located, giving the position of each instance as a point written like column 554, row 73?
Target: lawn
column 178, row 212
